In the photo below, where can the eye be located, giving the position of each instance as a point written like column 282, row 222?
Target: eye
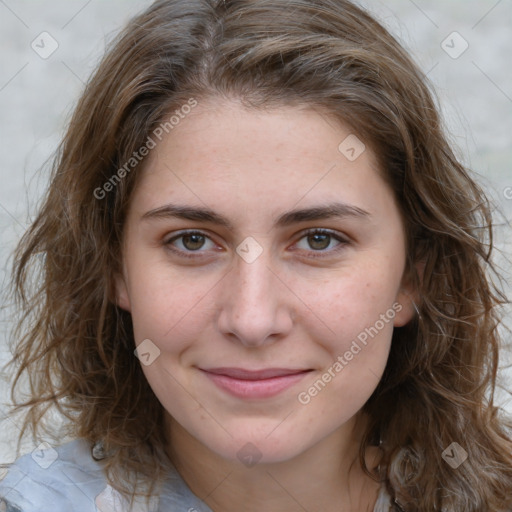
column 190, row 242
column 193, row 244
column 321, row 241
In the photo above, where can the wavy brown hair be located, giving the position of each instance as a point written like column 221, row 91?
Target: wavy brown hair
column 76, row 346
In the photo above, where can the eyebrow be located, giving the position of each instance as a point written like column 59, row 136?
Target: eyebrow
column 330, row 211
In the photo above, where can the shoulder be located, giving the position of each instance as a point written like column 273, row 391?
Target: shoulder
column 57, row 479
column 67, row 478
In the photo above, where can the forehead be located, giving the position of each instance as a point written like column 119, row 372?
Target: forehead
column 225, row 153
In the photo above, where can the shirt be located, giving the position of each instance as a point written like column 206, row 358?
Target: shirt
column 67, row 478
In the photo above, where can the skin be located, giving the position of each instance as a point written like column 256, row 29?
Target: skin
column 286, row 309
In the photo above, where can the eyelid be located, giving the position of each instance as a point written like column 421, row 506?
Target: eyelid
column 185, row 232
column 325, row 231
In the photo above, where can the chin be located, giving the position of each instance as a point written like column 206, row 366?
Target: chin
column 257, row 447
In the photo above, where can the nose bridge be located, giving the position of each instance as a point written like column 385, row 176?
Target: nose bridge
column 253, row 282
column 254, row 307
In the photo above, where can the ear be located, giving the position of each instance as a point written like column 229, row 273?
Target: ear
column 122, row 297
column 408, row 296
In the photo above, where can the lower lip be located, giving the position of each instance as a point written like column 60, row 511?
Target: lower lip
column 264, row 388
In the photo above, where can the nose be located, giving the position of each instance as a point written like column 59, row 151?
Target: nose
column 256, row 307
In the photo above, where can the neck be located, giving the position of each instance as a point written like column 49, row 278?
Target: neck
column 327, row 473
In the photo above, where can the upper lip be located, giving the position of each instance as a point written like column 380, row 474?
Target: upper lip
column 243, row 374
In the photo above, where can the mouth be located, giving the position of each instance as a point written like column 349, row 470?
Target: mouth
column 254, row 384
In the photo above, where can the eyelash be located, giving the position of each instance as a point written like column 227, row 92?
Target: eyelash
column 313, row 231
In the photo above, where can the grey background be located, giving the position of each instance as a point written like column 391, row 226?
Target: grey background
column 37, row 96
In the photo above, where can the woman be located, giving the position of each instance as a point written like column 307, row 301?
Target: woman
column 264, row 282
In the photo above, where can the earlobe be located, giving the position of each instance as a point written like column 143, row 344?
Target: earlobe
column 122, row 297
column 408, row 297
column 405, row 310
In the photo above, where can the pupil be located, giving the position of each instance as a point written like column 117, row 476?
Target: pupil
column 193, row 242
column 319, row 241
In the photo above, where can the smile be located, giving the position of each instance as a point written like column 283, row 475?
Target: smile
column 254, row 384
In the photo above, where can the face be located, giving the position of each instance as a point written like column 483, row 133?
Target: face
column 263, row 269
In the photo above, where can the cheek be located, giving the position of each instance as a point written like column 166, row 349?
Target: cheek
column 353, row 300
column 167, row 307
column 359, row 313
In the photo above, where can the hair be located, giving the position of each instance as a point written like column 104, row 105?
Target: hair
column 76, row 346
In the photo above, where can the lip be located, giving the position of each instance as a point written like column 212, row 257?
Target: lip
column 255, row 384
